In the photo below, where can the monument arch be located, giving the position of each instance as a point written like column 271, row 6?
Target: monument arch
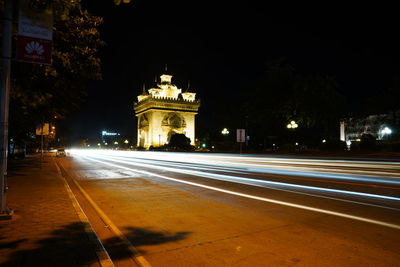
column 164, row 111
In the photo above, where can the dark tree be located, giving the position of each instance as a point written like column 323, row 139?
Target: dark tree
column 180, row 142
column 41, row 92
column 284, row 95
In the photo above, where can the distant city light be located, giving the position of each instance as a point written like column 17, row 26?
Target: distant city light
column 324, row 141
column 297, row 144
column 203, row 145
column 115, row 143
column 98, row 144
column 126, row 141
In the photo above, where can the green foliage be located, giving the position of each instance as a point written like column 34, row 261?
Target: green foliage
column 367, row 143
column 284, row 95
column 40, row 92
column 180, row 142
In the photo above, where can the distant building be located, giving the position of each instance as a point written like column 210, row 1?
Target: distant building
column 109, row 137
column 164, row 111
column 378, row 126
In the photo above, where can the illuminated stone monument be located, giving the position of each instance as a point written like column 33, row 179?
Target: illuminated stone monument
column 163, row 112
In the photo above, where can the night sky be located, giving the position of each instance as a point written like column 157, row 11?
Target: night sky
column 224, row 49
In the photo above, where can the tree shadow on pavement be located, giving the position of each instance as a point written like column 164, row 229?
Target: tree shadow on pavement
column 139, row 237
column 20, row 167
column 70, row 246
column 67, row 246
column 12, row 244
column 146, row 236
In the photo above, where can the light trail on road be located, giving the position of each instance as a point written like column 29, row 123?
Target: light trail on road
column 294, row 205
column 216, row 168
column 248, row 181
column 265, row 165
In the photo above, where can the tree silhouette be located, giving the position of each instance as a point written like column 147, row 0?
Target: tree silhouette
column 43, row 91
column 284, row 95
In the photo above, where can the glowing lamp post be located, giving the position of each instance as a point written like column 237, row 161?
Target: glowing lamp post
column 225, row 131
column 292, row 125
column 386, row 131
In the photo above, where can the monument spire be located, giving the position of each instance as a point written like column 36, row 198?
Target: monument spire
column 188, row 87
column 144, row 89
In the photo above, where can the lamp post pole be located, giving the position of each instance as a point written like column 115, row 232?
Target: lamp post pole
column 292, row 126
column 5, row 90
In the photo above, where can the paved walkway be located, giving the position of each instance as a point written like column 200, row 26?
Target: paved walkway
column 45, row 229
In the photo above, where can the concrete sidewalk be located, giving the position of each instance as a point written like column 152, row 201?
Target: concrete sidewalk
column 45, row 229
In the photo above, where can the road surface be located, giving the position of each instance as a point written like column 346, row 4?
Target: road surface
column 194, row 209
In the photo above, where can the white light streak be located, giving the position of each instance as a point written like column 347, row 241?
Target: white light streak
column 284, row 203
column 230, row 178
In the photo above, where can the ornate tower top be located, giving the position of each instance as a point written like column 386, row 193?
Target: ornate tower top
column 165, row 78
column 166, row 90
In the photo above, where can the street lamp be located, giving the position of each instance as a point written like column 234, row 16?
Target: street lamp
column 118, row 2
column 386, row 131
column 126, row 141
column 292, row 125
column 225, row 131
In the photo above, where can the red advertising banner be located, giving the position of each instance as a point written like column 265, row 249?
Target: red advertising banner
column 35, row 31
column 34, row 50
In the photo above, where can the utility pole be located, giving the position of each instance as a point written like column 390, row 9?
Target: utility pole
column 4, row 102
column 41, row 144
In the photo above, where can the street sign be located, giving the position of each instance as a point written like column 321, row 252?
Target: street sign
column 240, row 136
column 35, row 32
column 43, row 129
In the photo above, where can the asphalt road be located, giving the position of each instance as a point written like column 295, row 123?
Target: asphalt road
column 190, row 209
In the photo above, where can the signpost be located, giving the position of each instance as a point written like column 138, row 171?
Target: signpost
column 240, row 137
column 34, row 45
column 42, row 130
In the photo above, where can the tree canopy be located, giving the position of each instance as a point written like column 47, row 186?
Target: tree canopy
column 40, row 92
column 284, row 94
